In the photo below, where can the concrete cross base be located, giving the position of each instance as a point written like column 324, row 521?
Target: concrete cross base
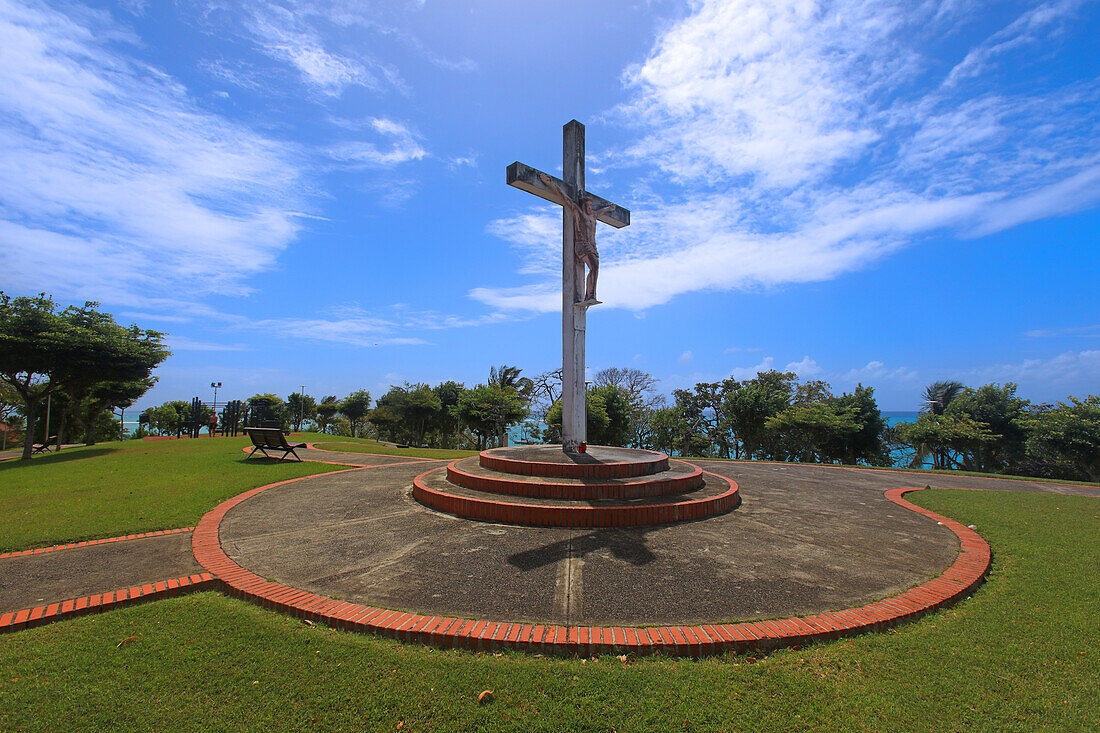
column 541, row 486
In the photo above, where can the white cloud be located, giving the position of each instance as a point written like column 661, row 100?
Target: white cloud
column 687, row 357
column 288, row 34
column 876, row 372
column 403, row 146
column 743, row 373
column 1078, row 368
column 792, row 142
column 112, row 181
column 804, row 369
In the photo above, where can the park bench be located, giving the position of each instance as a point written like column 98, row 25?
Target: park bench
column 265, row 439
column 44, row 447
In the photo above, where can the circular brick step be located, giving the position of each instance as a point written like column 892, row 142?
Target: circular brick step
column 678, row 479
column 716, row 495
column 598, row 462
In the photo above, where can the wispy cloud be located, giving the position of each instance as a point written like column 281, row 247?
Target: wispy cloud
column 791, row 142
column 1081, row 331
column 113, row 180
column 402, row 146
column 182, row 343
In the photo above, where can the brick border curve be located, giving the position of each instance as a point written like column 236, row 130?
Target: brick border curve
column 963, row 576
column 624, row 469
column 577, row 492
column 489, row 509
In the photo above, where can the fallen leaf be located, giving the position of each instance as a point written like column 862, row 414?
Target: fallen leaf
column 485, row 697
column 400, row 724
column 622, row 657
column 128, row 638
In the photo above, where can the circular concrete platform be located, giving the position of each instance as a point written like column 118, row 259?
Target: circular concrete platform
column 814, row 553
column 825, row 551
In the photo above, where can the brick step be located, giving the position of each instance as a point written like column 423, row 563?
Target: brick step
column 716, row 495
column 678, row 479
column 599, row 461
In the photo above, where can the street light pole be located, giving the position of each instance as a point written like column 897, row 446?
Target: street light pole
column 215, row 385
column 301, row 406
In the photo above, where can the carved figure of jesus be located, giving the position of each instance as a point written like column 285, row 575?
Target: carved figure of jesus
column 584, row 233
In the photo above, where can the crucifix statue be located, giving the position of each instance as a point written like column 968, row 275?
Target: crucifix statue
column 580, row 212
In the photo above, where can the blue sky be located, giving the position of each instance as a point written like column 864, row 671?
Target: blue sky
column 307, row 192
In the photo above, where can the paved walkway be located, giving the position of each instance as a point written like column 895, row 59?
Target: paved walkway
column 806, row 539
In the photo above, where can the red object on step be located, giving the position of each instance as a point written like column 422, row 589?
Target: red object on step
column 582, row 447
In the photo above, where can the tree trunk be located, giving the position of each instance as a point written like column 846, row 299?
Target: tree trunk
column 31, row 414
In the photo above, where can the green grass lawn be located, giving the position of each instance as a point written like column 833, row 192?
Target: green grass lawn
column 121, row 488
column 363, row 445
column 1022, row 654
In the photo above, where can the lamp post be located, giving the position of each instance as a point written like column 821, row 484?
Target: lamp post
column 301, row 406
column 215, row 385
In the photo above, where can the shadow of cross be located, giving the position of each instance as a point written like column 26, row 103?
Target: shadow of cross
column 628, row 545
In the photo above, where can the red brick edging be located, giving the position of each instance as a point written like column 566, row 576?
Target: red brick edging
column 89, row 543
column 627, row 469
column 29, row 617
column 966, row 573
column 488, row 509
column 501, row 484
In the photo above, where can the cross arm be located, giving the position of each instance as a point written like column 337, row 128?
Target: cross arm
column 526, row 178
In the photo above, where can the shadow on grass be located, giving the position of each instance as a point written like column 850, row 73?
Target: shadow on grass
column 71, row 454
column 267, row 460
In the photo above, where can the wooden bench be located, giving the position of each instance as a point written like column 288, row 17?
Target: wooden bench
column 265, row 439
column 44, row 447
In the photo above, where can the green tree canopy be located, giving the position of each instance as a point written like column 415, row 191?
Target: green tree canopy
column 1069, row 435
column 354, row 407
column 43, row 351
column 325, row 410
column 299, row 408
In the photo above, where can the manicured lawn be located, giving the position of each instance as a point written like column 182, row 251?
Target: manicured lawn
column 120, row 488
column 1022, row 654
column 362, row 445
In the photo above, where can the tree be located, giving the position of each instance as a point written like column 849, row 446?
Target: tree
column 946, row 437
column 354, row 407
column 595, row 416
column 508, row 378
column 488, row 410
column 766, row 395
column 939, row 395
column 108, row 395
column 617, row 407
column 265, row 409
column 1068, row 436
column 445, row 423
column 1006, row 417
column 867, row 443
column 43, row 352
column 639, row 387
column 299, row 408
column 814, row 432
column 415, row 405
column 325, row 411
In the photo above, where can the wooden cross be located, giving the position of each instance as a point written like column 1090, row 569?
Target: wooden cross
column 573, row 311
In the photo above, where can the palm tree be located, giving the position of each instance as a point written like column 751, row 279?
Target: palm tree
column 938, row 395
column 508, row 378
